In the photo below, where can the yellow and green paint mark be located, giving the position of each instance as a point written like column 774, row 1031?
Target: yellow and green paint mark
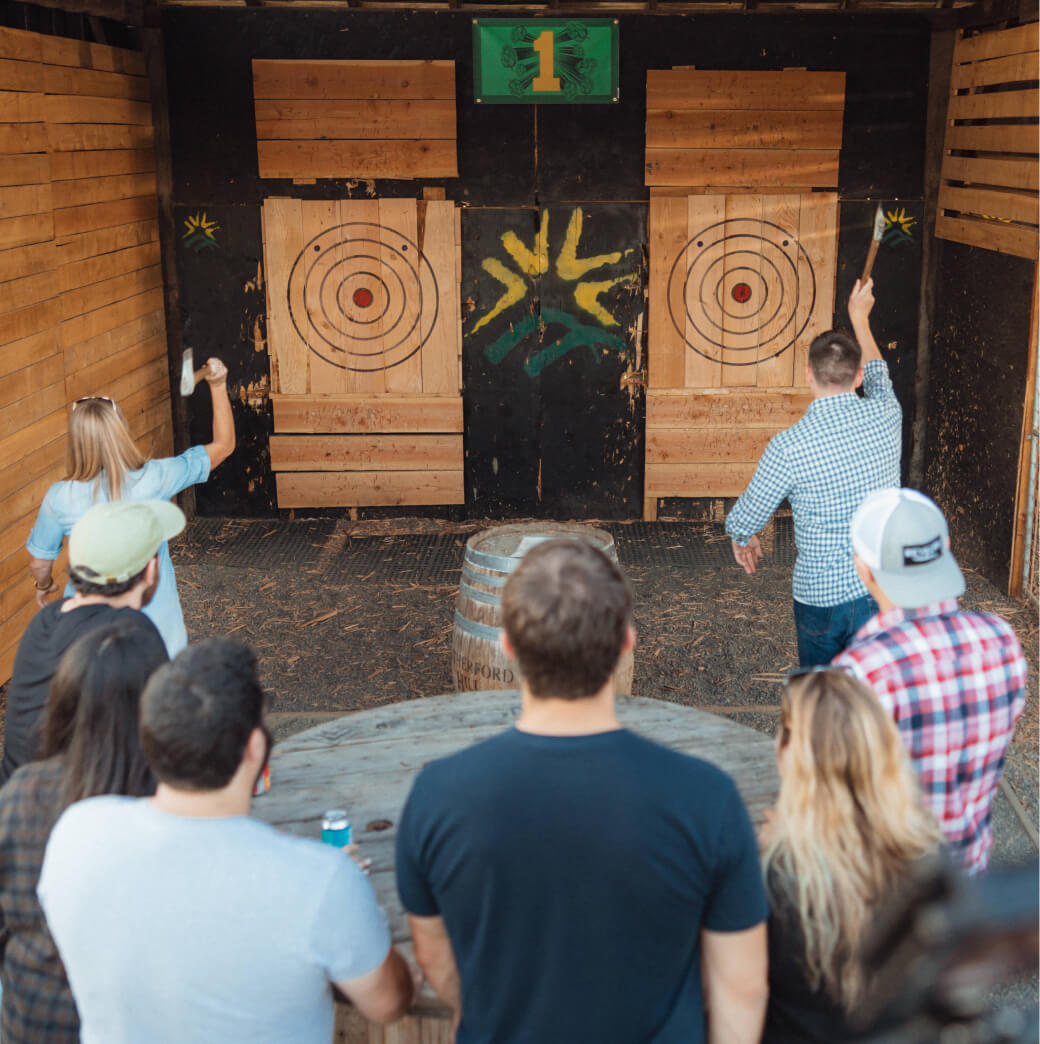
column 530, row 263
column 200, row 232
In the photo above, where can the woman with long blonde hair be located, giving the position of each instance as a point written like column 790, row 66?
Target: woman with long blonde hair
column 848, row 825
column 103, row 463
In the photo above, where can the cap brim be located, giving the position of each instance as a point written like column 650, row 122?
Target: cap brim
column 937, row 582
column 170, row 517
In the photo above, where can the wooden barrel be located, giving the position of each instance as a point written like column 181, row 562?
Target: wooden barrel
column 477, row 659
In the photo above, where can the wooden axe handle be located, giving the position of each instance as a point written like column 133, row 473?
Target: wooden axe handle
column 200, row 373
column 871, row 254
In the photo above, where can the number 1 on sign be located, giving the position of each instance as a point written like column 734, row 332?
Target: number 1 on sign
column 544, row 46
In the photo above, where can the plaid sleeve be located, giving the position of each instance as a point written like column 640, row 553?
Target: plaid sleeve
column 769, row 485
column 877, row 386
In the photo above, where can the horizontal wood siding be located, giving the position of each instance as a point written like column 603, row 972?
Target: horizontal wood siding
column 81, row 308
column 988, row 190
column 708, row 129
column 367, row 119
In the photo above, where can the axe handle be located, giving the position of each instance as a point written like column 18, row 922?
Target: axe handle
column 200, row 373
column 871, row 254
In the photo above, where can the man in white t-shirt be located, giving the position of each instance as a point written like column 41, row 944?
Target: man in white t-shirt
column 180, row 918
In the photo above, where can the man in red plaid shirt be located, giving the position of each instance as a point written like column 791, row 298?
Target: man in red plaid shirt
column 954, row 681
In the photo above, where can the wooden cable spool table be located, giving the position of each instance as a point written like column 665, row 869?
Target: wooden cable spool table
column 365, row 762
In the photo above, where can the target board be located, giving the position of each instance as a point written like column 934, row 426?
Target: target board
column 365, row 349
column 739, row 286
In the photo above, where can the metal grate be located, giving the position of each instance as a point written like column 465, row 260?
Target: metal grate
column 697, row 545
column 437, row 557
column 257, row 543
column 415, row 558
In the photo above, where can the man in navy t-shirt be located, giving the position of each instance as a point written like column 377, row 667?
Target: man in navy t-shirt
column 568, row 880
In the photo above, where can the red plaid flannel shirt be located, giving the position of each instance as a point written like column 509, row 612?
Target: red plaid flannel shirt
column 955, row 683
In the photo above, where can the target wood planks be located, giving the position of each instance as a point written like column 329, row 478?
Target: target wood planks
column 739, row 286
column 363, row 321
column 81, row 308
column 988, row 189
column 361, row 119
column 708, row 130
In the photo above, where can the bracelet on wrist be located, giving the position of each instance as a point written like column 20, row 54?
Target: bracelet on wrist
column 46, row 587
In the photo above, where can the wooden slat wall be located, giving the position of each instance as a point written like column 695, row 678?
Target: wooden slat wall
column 709, row 412
column 988, row 192
column 81, row 309
column 709, row 130
column 361, row 418
column 361, row 119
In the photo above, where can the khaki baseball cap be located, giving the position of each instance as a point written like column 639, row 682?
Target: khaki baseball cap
column 903, row 537
column 115, row 541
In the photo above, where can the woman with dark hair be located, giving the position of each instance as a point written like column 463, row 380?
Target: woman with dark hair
column 849, row 823
column 89, row 746
column 103, row 463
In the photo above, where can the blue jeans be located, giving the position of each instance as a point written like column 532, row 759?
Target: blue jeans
column 825, row 630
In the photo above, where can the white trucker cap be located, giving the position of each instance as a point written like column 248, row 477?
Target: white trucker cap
column 902, row 536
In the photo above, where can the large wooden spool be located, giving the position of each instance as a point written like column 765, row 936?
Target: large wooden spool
column 477, row 659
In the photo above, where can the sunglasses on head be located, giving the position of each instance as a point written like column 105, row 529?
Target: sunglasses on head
column 94, row 398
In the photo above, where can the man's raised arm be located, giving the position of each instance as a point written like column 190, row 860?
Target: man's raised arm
column 861, row 301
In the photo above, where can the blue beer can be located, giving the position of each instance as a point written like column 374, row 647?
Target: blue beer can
column 335, row 828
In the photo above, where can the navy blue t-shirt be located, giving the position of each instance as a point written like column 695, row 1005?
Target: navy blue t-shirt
column 574, row 875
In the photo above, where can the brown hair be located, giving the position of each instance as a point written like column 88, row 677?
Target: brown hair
column 100, row 444
column 91, row 717
column 834, row 358
column 566, row 610
column 848, row 822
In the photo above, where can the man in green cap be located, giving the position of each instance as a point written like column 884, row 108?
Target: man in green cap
column 114, row 569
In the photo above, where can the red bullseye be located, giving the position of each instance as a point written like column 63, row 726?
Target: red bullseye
column 363, row 297
column 741, row 293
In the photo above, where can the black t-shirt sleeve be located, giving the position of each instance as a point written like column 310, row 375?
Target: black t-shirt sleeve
column 738, row 899
column 413, row 885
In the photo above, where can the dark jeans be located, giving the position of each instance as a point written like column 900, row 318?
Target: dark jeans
column 825, row 630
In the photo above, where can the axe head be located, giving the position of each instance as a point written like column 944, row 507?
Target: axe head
column 187, row 373
column 879, row 224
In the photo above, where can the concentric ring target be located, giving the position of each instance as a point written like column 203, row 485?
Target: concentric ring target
column 363, row 297
column 743, row 287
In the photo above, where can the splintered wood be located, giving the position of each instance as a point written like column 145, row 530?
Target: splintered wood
column 739, row 287
column 81, row 303
column 711, row 130
column 363, row 318
column 988, row 191
column 355, row 119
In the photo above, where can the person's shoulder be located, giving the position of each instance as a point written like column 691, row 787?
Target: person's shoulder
column 89, row 818
column 695, row 771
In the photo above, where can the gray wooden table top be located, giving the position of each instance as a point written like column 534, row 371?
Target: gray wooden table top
column 365, row 762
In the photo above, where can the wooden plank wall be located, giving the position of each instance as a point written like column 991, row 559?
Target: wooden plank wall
column 709, row 130
column 988, row 192
column 81, row 309
column 723, row 377
column 367, row 398
column 355, row 119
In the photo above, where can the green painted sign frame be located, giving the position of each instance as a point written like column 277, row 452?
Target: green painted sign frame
column 545, row 61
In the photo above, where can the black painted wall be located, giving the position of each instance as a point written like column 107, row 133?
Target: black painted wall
column 566, row 440
column 976, row 398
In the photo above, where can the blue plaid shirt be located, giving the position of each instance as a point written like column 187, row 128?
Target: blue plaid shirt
column 843, row 449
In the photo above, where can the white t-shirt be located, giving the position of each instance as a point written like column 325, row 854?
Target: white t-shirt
column 183, row 930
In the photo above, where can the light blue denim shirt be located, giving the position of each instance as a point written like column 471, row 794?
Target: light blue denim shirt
column 66, row 502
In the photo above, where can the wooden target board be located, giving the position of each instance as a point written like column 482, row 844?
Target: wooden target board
column 365, row 346
column 739, row 287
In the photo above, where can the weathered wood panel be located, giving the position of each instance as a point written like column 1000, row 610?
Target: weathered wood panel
column 365, row 452
column 372, row 119
column 988, row 189
column 347, row 414
column 371, row 488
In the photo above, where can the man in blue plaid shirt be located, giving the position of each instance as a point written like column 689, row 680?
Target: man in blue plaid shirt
column 844, row 448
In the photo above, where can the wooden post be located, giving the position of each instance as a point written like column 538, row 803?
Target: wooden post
column 1022, row 520
column 940, row 64
column 155, row 63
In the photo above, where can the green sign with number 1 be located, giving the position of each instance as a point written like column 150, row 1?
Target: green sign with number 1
column 545, row 60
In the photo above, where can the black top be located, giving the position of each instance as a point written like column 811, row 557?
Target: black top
column 37, row 1007
column 49, row 634
column 574, row 875
column 797, row 1014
